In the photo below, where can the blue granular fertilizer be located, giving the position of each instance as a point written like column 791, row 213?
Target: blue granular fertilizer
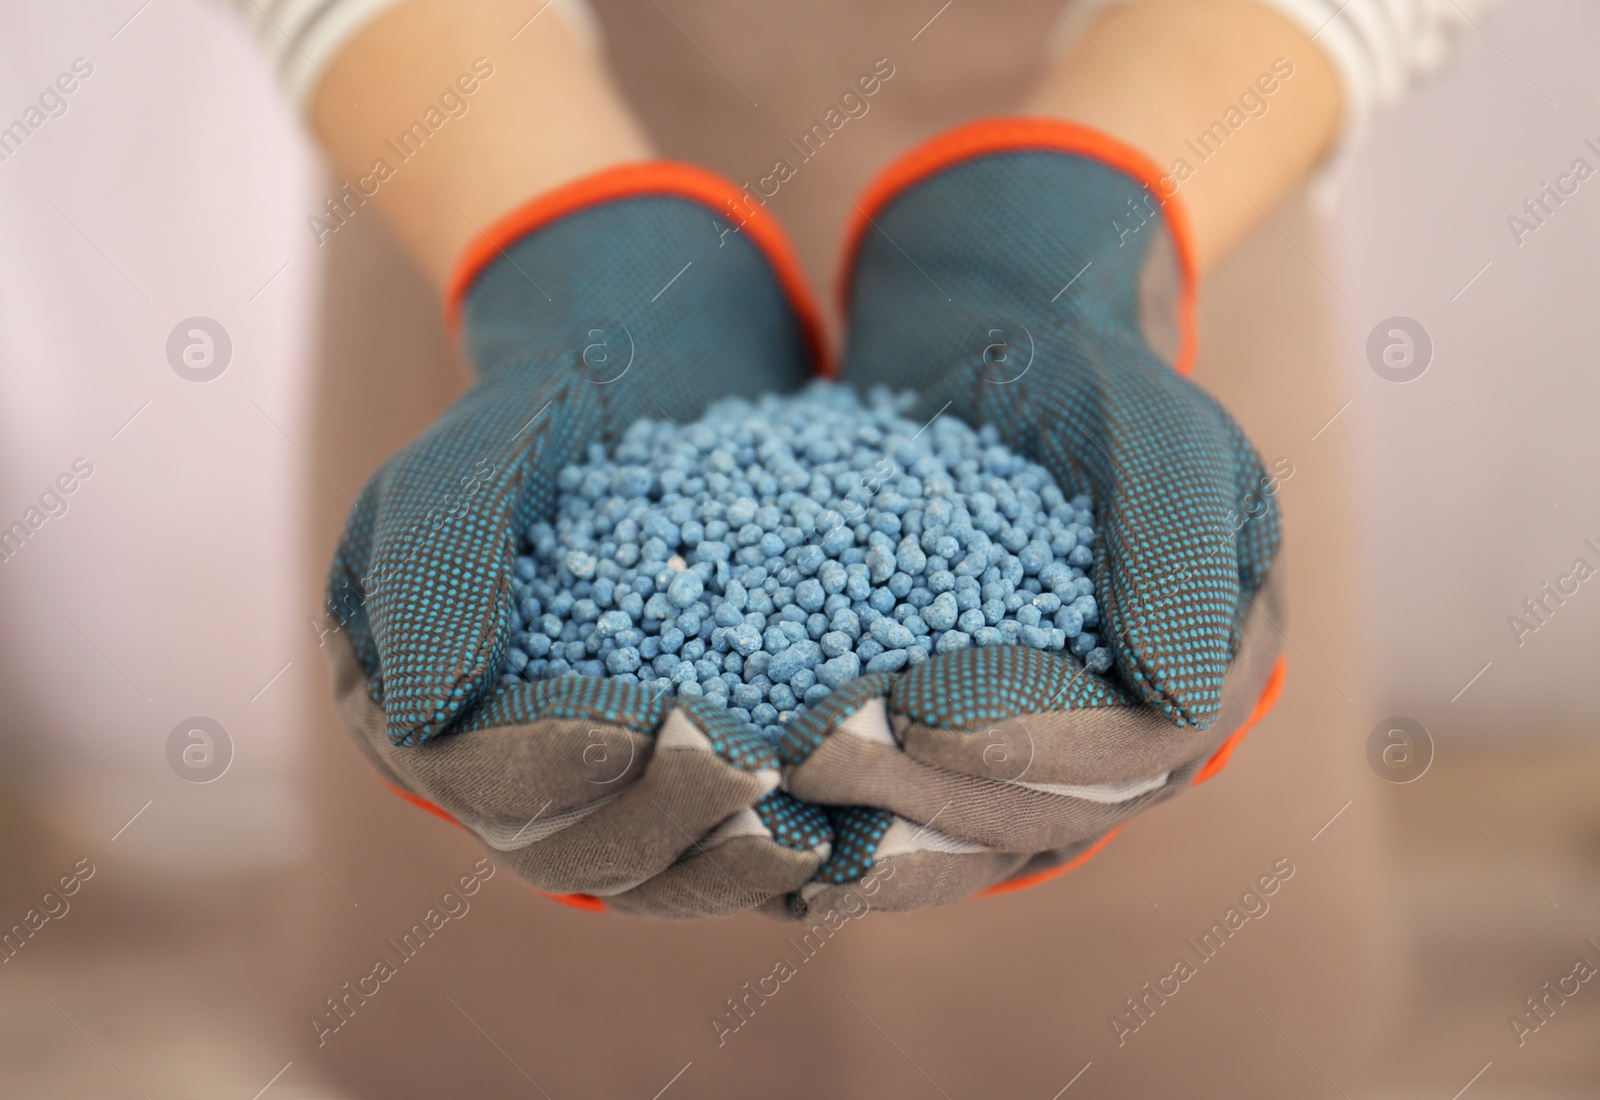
column 775, row 549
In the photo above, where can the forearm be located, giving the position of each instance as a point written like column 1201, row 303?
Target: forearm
column 1158, row 74
column 547, row 113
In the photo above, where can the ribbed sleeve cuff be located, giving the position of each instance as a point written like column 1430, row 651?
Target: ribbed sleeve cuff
column 302, row 37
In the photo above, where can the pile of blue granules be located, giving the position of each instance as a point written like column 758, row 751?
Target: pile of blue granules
column 774, row 549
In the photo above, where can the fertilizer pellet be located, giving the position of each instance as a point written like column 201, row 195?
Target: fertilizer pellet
column 775, row 549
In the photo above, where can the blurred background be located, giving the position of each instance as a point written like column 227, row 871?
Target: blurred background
column 171, row 583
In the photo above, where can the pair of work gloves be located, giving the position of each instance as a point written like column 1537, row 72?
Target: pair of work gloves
column 1005, row 272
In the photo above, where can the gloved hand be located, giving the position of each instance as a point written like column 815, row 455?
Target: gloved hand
column 645, row 290
column 1001, row 271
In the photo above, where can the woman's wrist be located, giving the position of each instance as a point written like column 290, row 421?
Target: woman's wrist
column 1233, row 102
column 436, row 117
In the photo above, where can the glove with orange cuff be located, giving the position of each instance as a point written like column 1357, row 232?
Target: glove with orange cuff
column 1008, row 272
column 644, row 290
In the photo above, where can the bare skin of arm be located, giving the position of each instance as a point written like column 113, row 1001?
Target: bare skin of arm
column 548, row 114
column 1152, row 73
column 1157, row 72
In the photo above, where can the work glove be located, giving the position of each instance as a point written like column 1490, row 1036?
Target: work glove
column 645, row 290
column 1009, row 272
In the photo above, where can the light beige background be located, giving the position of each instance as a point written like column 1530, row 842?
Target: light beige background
column 180, row 179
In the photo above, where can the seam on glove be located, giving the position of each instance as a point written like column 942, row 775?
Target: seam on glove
column 674, row 179
column 1009, row 135
column 423, row 803
column 587, row 902
column 1264, row 705
column 1033, row 880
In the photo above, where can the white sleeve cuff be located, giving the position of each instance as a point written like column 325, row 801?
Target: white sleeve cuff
column 302, row 37
column 1378, row 47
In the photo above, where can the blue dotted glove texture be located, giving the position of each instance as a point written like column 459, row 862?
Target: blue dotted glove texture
column 644, row 304
column 1003, row 284
column 916, row 788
